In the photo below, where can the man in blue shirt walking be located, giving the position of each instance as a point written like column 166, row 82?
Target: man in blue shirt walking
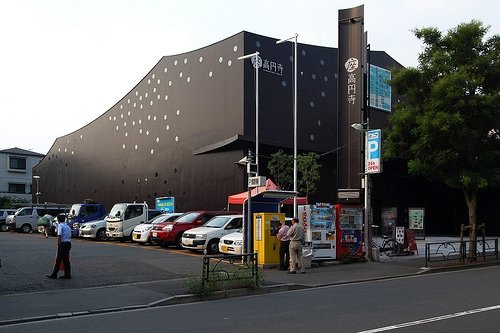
column 63, row 248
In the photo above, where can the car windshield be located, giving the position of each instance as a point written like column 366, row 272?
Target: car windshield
column 217, row 222
column 189, row 217
column 24, row 211
column 158, row 219
column 75, row 210
column 117, row 210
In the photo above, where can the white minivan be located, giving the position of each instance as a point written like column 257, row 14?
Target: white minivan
column 207, row 236
column 26, row 219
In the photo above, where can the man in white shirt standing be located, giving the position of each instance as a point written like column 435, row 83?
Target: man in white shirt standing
column 63, row 248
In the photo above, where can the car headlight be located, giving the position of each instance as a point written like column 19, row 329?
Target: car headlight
column 168, row 227
column 201, row 236
column 148, row 228
column 238, row 242
column 92, row 226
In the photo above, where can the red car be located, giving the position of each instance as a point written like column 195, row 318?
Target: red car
column 170, row 233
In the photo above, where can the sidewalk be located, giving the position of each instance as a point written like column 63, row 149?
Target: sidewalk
column 74, row 302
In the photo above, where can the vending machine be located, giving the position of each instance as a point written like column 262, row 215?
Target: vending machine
column 319, row 221
column 350, row 220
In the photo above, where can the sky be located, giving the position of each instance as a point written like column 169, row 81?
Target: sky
column 65, row 62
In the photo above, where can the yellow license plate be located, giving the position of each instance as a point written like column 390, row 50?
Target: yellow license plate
column 223, row 248
column 136, row 236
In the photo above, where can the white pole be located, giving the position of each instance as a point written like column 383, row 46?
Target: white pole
column 295, row 212
column 257, row 112
column 295, row 60
column 247, row 230
column 367, row 195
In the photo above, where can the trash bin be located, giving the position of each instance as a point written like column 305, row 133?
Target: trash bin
column 375, row 254
column 307, row 254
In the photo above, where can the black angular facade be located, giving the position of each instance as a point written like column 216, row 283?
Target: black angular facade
column 181, row 129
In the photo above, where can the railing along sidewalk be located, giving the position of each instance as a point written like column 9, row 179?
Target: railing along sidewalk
column 230, row 267
column 459, row 250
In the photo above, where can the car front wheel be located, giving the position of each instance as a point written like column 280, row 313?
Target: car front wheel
column 26, row 228
column 213, row 246
column 101, row 235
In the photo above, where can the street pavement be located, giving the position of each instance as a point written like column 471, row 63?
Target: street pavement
column 24, row 307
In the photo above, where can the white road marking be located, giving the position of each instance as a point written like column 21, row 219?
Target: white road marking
column 430, row 320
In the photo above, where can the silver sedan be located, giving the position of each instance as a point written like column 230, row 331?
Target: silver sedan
column 94, row 230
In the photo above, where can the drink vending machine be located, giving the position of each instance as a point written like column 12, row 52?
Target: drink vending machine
column 319, row 220
column 350, row 220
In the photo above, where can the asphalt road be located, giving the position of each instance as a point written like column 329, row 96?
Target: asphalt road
column 458, row 301
column 27, row 258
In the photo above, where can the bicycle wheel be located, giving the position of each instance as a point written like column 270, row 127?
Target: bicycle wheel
column 390, row 247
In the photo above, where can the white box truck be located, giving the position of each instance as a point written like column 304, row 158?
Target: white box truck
column 123, row 217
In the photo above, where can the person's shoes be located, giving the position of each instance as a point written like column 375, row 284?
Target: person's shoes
column 52, row 276
column 65, row 277
column 292, row 272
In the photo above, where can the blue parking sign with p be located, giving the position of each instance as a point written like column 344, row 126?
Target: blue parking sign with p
column 373, row 151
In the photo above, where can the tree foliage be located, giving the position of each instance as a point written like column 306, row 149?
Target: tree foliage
column 281, row 168
column 11, row 202
column 308, row 168
column 448, row 125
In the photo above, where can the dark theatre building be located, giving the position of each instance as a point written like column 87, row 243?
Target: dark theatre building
column 181, row 129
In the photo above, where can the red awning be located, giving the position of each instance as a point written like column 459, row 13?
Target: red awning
column 239, row 199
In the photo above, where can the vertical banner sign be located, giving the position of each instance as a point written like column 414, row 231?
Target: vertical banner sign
column 351, row 97
column 373, row 151
column 380, row 89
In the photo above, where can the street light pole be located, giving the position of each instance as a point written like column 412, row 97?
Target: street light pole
column 364, row 128
column 37, row 194
column 247, row 227
column 294, row 37
column 256, row 65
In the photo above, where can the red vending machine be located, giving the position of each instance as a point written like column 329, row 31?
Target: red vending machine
column 350, row 222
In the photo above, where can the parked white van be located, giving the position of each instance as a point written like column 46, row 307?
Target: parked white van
column 26, row 219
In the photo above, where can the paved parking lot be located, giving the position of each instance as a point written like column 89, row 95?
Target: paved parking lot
column 27, row 258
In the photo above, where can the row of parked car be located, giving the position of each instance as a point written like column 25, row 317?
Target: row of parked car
column 213, row 231
column 196, row 230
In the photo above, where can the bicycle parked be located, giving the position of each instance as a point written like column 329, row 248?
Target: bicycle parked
column 390, row 246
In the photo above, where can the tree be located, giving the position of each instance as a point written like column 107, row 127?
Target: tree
column 308, row 167
column 281, row 168
column 448, row 125
column 12, row 202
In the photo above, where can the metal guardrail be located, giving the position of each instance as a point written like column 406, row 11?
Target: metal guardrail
column 230, row 267
column 460, row 251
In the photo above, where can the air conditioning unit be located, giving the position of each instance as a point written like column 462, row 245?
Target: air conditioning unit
column 256, row 181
